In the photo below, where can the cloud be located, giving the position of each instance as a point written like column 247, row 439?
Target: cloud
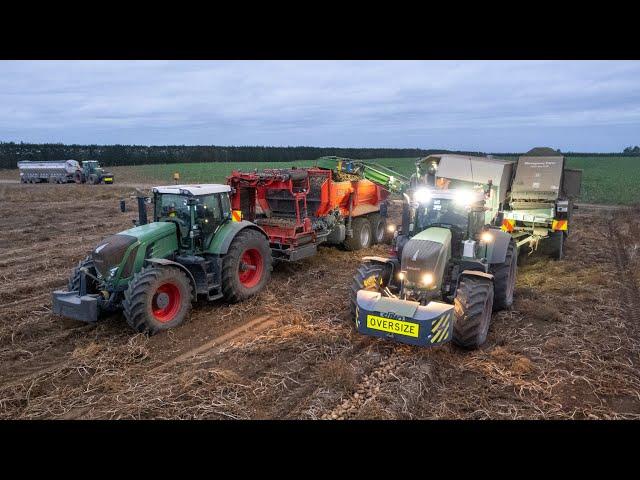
column 479, row 105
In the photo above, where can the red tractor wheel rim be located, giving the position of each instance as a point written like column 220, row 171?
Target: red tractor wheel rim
column 166, row 302
column 250, row 267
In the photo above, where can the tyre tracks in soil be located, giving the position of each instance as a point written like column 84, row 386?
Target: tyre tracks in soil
column 630, row 291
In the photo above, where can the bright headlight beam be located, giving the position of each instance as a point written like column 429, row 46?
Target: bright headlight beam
column 427, row 279
column 422, row 195
column 486, row 237
column 464, row 198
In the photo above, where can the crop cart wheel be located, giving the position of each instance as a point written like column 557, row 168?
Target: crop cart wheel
column 362, row 235
column 378, row 228
column 74, row 280
column 77, row 177
column 473, row 306
column 246, row 268
column 504, row 279
column 157, row 298
column 369, row 276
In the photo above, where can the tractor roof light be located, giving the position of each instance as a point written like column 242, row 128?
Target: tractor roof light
column 464, row 198
column 422, row 195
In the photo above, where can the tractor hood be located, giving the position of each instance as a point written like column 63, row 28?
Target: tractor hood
column 427, row 252
column 110, row 252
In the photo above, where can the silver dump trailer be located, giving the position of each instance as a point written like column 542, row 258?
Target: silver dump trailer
column 540, row 203
column 56, row 171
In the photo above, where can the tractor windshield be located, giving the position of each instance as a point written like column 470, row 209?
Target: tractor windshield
column 442, row 212
column 169, row 206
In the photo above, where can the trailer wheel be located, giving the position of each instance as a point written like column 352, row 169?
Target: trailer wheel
column 246, row 268
column 77, row 177
column 369, row 276
column 157, row 298
column 473, row 306
column 361, row 234
column 378, row 228
column 504, row 279
column 73, row 284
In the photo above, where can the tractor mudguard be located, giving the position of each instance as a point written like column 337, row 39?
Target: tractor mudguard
column 227, row 232
column 171, row 263
column 402, row 320
column 497, row 252
column 375, row 259
column 476, row 273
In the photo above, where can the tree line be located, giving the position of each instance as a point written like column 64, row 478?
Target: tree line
column 114, row 155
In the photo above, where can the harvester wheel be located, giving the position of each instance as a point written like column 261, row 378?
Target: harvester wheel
column 473, row 306
column 157, row 298
column 246, row 268
column 369, row 276
column 74, row 280
column 378, row 228
column 362, row 235
column 504, row 279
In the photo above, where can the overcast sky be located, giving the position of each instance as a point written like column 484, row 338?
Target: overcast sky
column 467, row 105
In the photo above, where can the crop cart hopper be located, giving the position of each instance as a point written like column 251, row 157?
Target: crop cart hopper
column 540, row 203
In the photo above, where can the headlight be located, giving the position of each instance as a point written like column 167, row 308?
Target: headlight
column 113, row 271
column 427, row 279
column 486, row 237
column 391, row 228
column 464, row 198
column 422, row 195
column 401, row 276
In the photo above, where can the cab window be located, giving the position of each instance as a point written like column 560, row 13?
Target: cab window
column 208, row 212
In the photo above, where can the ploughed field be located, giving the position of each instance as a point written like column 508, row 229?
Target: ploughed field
column 568, row 348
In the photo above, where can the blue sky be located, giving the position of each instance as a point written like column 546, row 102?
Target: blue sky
column 467, row 105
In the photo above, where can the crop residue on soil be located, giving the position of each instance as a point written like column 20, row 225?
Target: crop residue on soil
column 568, row 348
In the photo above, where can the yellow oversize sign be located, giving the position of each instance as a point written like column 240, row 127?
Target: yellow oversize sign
column 393, row 326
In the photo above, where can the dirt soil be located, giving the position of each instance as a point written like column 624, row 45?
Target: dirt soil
column 567, row 349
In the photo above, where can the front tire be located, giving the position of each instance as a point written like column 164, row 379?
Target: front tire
column 73, row 285
column 473, row 306
column 504, row 279
column 157, row 298
column 246, row 268
column 369, row 276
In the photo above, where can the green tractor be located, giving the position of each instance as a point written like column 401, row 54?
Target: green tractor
column 92, row 173
column 193, row 249
column 449, row 272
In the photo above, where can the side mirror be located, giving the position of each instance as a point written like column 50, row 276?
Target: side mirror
column 123, row 206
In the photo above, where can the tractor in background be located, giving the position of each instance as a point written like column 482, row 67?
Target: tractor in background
column 91, row 172
column 192, row 249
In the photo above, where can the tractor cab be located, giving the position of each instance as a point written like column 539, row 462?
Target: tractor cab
column 197, row 211
column 460, row 210
column 91, row 166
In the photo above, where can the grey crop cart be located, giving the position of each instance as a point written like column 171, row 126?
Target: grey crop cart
column 540, row 203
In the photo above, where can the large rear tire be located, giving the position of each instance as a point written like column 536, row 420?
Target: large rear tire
column 504, row 279
column 362, row 234
column 246, row 268
column 157, row 298
column 369, row 276
column 473, row 306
